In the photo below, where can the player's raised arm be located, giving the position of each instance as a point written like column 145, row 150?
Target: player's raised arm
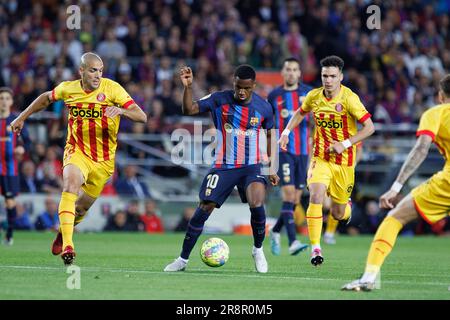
column 415, row 158
column 294, row 122
column 189, row 107
column 40, row 103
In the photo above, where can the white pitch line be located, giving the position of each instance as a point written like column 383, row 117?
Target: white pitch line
column 93, row 269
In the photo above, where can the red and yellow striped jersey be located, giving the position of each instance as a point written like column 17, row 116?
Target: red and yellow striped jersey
column 435, row 122
column 335, row 119
column 89, row 130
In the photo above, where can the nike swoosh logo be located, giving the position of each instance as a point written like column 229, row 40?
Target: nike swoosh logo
column 280, row 102
column 227, row 114
column 258, row 176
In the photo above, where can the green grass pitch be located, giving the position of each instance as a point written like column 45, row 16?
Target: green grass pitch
column 129, row 266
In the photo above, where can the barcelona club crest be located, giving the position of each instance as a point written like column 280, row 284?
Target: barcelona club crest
column 254, row 121
column 101, row 97
column 339, row 107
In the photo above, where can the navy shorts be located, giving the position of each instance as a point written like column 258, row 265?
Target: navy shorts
column 293, row 170
column 219, row 183
column 9, row 186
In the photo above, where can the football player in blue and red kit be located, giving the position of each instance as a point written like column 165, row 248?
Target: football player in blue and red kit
column 240, row 116
column 9, row 151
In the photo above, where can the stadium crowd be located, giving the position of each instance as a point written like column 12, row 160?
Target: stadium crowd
column 395, row 70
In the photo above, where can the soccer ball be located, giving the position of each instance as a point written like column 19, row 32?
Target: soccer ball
column 214, row 252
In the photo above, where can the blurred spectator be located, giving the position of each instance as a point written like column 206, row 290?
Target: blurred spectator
column 151, row 218
column 28, row 181
column 184, row 219
column 50, row 183
column 118, row 222
column 130, row 185
column 371, row 218
column 48, row 220
column 134, row 221
column 22, row 221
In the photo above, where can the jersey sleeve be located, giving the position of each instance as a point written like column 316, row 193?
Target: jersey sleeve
column 121, row 96
column 59, row 92
column 270, row 100
column 268, row 122
column 206, row 103
column 429, row 124
column 307, row 104
column 357, row 109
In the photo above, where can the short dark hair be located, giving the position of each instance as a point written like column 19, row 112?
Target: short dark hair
column 332, row 61
column 291, row 59
column 444, row 85
column 6, row 89
column 245, row 71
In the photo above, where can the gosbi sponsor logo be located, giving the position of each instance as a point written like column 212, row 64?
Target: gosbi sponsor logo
column 330, row 124
column 86, row 113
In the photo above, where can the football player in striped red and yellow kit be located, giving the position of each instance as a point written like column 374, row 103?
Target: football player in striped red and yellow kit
column 336, row 109
column 430, row 199
column 95, row 106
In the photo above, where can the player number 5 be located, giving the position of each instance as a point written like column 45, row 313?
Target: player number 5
column 286, row 169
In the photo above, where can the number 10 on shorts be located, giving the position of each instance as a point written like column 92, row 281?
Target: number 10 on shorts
column 213, row 179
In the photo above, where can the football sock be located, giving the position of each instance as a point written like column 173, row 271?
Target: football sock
column 382, row 244
column 279, row 224
column 258, row 223
column 332, row 224
column 287, row 212
column 299, row 215
column 11, row 217
column 194, row 230
column 314, row 219
column 66, row 214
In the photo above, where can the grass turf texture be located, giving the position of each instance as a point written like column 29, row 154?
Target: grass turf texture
column 129, row 266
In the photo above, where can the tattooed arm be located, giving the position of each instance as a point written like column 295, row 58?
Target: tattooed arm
column 415, row 158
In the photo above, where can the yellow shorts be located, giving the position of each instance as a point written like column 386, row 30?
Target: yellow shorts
column 338, row 179
column 95, row 174
column 432, row 198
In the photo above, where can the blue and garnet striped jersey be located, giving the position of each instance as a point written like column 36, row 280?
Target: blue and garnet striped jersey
column 238, row 135
column 284, row 104
column 8, row 142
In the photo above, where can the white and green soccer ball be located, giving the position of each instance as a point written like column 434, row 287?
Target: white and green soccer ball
column 214, row 252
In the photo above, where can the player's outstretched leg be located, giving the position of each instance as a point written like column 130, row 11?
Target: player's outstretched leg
column 258, row 223
column 66, row 214
column 329, row 236
column 382, row 244
column 11, row 217
column 330, row 230
column 195, row 228
column 315, row 220
column 287, row 212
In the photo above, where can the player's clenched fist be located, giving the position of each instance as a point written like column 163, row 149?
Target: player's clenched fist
column 186, row 76
column 284, row 139
column 112, row 111
column 386, row 200
column 17, row 125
